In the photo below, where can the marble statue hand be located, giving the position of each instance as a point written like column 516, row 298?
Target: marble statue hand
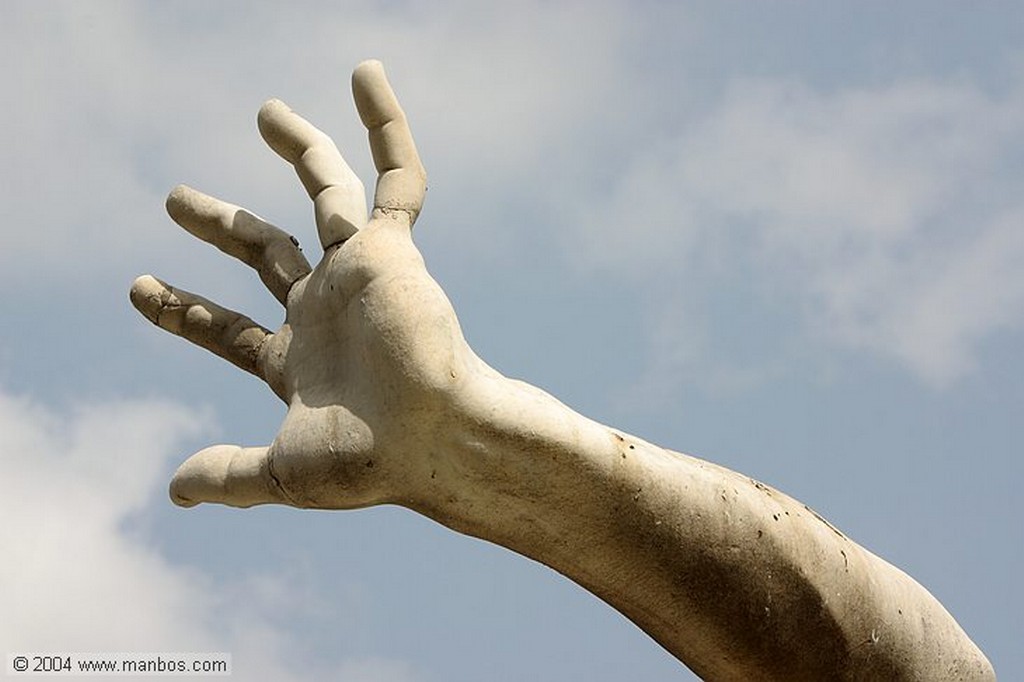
column 369, row 342
column 387, row 403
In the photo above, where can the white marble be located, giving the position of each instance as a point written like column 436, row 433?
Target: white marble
column 388, row 404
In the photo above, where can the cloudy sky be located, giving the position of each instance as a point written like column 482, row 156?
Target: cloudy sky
column 786, row 237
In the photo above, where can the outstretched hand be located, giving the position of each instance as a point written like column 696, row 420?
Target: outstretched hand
column 370, row 350
column 387, row 403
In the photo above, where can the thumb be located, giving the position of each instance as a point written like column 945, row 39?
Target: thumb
column 226, row 474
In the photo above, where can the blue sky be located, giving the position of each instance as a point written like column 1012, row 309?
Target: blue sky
column 786, row 237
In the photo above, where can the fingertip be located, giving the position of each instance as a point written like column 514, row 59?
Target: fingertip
column 179, row 499
column 375, row 100
column 200, row 477
column 178, row 192
column 146, row 295
column 143, row 282
column 280, row 130
column 178, row 201
column 269, row 110
column 368, row 68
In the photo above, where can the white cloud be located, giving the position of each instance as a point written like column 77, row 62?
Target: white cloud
column 75, row 580
column 887, row 216
column 70, row 480
column 948, row 305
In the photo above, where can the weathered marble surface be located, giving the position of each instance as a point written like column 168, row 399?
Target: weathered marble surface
column 388, row 404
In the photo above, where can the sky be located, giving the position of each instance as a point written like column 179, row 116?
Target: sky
column 787, row 237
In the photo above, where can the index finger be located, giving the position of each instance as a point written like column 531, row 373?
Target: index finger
column 401, row 178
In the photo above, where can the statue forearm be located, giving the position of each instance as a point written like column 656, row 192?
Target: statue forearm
column 387, row 403
column 736, row 579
